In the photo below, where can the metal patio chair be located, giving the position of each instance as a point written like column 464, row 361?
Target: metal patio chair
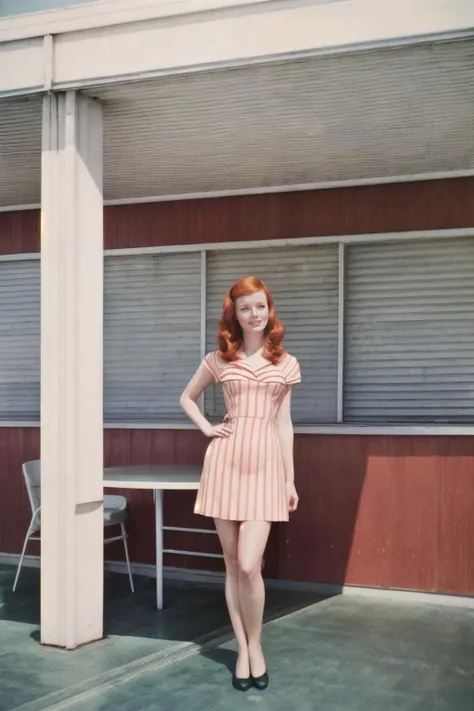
column 115, row 514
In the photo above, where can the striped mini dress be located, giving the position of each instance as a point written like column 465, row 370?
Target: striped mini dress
column 243, row 476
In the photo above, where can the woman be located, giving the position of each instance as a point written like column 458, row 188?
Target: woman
column 248, row 476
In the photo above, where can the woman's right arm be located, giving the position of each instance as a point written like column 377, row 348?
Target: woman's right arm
column 188, row 401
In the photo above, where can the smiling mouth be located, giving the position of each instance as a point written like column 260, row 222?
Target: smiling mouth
column 255, row 323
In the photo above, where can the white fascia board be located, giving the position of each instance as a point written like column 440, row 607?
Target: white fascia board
column 22, row 67
column 247, row 35
column 108, row 13
column 109, row 42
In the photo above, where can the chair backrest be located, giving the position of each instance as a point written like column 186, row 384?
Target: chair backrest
column 32, row 474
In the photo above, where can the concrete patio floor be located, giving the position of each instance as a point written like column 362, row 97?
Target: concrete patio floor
column 345, row 653
column 138, row 636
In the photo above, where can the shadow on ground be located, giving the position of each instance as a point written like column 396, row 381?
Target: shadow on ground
column 137, row 635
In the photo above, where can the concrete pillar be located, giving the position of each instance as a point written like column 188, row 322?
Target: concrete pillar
column 71, row 372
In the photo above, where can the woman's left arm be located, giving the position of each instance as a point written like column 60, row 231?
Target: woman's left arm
column 284, row 426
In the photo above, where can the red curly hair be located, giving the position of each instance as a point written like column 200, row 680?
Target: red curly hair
column 230, row 335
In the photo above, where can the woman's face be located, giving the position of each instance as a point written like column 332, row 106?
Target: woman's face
column 252, row 312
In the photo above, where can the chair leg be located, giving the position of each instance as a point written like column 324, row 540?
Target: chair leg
column 125, row 545
column 27, row 537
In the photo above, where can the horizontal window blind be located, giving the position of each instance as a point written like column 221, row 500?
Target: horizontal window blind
column 409, row 332
column 304, row 285
column 20, row 340
column 152, row 332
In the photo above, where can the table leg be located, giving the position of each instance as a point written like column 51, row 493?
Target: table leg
column 159, row 547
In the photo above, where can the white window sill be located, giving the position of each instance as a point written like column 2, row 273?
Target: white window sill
column 319, row 429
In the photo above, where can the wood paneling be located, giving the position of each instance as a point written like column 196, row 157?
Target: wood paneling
column 430, row 205
column 17, row 445
column 456, row 531
column 19, row 232
column 376, row 511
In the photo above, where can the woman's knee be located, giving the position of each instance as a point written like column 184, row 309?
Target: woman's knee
column 250, row 569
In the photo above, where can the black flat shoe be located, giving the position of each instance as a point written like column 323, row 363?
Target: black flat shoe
column 241, row 684
column 261, row 682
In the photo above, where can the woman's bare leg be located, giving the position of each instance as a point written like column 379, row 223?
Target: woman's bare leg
column 228, row 532
column 253, row 539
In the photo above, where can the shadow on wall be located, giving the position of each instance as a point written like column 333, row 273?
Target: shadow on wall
column 314, row 547
column 379, row 511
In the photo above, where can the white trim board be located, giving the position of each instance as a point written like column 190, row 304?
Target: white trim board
column 339, row 29
column 273, row 189
column 333, row 429
column 109, row 13
column 340, row 333
column 95, row 82
column 323, row 589
column 375, row 237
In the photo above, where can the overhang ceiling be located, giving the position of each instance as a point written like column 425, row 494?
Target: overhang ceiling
column 383, row 113
column 20, row 151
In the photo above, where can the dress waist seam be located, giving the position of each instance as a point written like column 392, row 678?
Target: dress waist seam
column 234, row 418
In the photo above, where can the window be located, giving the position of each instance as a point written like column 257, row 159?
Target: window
column 152, row 314
column 409, row 323
column 398, row 350
column 20, row 340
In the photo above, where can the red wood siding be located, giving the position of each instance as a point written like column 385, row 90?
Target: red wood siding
column 392, row 512
column 379, row 511
column 429, row 205
column 17, row 445
column 19, row 232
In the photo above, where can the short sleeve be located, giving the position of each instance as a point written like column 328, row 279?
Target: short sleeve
column 210, row 362
column 292, row 372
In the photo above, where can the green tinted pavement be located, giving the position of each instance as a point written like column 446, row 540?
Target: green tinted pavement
column 346, row 653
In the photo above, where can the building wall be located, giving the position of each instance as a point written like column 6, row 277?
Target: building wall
column 431, row 205
column 386, row 511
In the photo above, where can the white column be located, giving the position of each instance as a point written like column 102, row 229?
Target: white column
column 71, row 372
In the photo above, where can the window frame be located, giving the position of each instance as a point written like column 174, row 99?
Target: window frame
column 338, row 427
